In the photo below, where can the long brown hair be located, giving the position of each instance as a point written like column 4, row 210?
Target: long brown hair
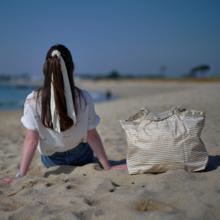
column 52, row 66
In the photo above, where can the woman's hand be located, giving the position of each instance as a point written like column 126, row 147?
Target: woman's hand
column 8, row 180
column 119, row 167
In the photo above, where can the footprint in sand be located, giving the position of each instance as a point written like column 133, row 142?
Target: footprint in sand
column 9, row 205
column 27, row 185
column 106, row 185
column 89, row 214
column 69, row 187
column 66, row 180
column 83, row 215
column 99, row 212
column 90, row 201
column 145, row 205
column 48, row 184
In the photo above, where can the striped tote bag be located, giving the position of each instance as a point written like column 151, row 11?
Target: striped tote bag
column 159, row 141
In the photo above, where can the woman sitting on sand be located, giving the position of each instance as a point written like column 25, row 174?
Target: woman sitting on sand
column 60, row 118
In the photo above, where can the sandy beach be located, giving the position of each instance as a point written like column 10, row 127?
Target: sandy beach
column 85, row 193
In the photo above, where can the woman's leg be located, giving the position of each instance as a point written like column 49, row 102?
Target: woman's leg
column 80, row 155
column 55, row 159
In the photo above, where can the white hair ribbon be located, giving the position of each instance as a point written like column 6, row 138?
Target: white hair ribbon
column 68, row 96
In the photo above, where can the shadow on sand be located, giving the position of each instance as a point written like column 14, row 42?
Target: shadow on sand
column 68, row 169
column 213, row 163
column 60, row 170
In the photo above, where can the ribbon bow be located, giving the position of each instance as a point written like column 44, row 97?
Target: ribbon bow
column 68, row 96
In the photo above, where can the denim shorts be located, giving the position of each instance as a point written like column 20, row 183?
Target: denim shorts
column 78, row 156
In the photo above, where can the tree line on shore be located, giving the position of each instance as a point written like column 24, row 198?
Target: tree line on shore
column 198, row 71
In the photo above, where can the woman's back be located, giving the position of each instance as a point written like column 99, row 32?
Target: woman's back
column 51, row 141
column 59, row 119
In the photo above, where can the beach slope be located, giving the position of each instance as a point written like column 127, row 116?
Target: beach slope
column 88, row 193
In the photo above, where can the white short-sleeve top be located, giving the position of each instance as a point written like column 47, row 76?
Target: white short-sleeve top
column 51, row 141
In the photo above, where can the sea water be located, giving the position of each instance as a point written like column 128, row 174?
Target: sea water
column 13, row 97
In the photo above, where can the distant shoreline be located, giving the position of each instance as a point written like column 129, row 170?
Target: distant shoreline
column 37, row 83
column 146, row 79
column 22, row 83
column 12, row 96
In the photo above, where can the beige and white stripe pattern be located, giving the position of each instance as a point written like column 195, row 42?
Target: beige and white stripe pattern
column 167, row 140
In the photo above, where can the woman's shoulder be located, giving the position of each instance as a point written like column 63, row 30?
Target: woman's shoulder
column 31, row 98
column 32, row 95
column 86, row 95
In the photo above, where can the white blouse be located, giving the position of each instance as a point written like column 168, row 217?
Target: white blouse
column 51, row 141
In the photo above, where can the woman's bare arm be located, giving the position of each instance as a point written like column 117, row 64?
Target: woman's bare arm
column 29, row 147
column 95, row 142
column 28, row 150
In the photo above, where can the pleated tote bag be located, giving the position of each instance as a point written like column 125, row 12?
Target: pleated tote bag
column 160, row 141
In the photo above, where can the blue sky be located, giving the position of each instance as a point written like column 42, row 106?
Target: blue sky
column 131, row 36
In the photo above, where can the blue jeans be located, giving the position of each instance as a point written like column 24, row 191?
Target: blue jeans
column 78, row 156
